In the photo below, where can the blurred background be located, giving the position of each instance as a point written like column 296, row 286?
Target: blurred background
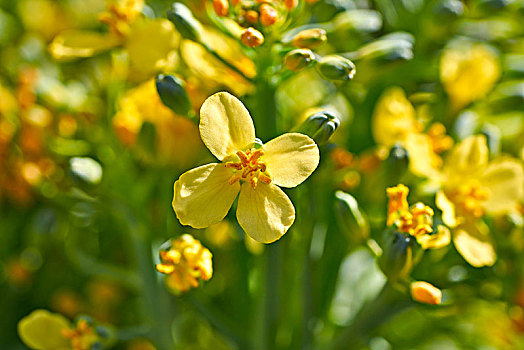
column 89, row 153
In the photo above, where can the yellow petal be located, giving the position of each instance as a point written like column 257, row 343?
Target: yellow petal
column 149, row 45
column 72, row 44
column 437, row 240
column 203, row 195
column 290, row 159
column 448, row 209
column 265, row 212
column 504, row 180
column 393, row 117
column 225, row 125
column 43, row 330
column 474, row 244
column 425, row 292
column 422, row 159
column 467, row 157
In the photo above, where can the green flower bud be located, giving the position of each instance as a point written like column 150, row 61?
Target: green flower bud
column 185, row 23
column 299, row 59
column 309, row 38
column 360, row 21
column 173, row 94
column 400, row 254
column 396, row 164
column 350, row 218
column 392, row 47
column 334, row 67
column 320, row 126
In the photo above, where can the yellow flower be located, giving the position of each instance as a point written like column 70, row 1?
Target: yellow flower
column 149, row 44
column 186, row 261
column 394, row 121
column 468, row 73
column 425, row 292
column 44, row 330
column 204, row 195
column 473, row 187
column 416, row 220
column 176, row 137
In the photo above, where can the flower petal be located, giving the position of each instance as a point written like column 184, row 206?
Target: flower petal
column 265, row 212
column 43, row 330
column 448, row 209
column 467, row 157
column 505, row 181
column 203, row 195
column 72, row 44
column 291, row 158
column 474, row 244
column 225, row 125
column 437, row 240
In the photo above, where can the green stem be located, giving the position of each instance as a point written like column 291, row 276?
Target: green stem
column 387, row 304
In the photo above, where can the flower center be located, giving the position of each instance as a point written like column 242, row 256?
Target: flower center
column 82, row 337
column 469, row 198
column 416, row 220
column 249, row 168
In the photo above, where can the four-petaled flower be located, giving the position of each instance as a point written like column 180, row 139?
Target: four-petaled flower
column 473, row 187
column 204, row 195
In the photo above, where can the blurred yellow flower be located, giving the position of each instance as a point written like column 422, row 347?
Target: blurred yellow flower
column 473, row 187
column 426, row 293
column 44, row 330
column 177, row 137
column 416, row 220
column 203, row 196
column 468, row 73
column 149, row 44
column 394, row 121
column 185, row 261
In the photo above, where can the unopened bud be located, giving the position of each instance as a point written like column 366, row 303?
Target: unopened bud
column 350, row 218
column 268, row 15
column 401, row 253
column 185, row 23
column 173, row 94
column 221, row 7
column 425, row 292
column 334, row 67
column 299, row 59
column 320, row 126
column 291, row 4
column 252, row 37
column 391, row 47
column 251, row 16
column 309, row 38
column 396, row 164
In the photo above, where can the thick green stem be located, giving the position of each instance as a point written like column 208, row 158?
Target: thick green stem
column 387, row 304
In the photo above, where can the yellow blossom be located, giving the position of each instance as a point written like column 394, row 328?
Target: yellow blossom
column 472, row 187
column 468, row 73
column 149, row 44
column 426, row 293
column 416, row 220
column 394, row 121
column 185, row 261
column 173, row 132
column 204, row 195
column 44, row 330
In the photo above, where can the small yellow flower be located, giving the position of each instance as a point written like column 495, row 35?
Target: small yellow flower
column 473, row 187
column 186, row 262
column 44, row 330
column 425, row 292
column 416, row 220
column 177, row 137
column 204, row 195
column 394, row 121
column 468, row 73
